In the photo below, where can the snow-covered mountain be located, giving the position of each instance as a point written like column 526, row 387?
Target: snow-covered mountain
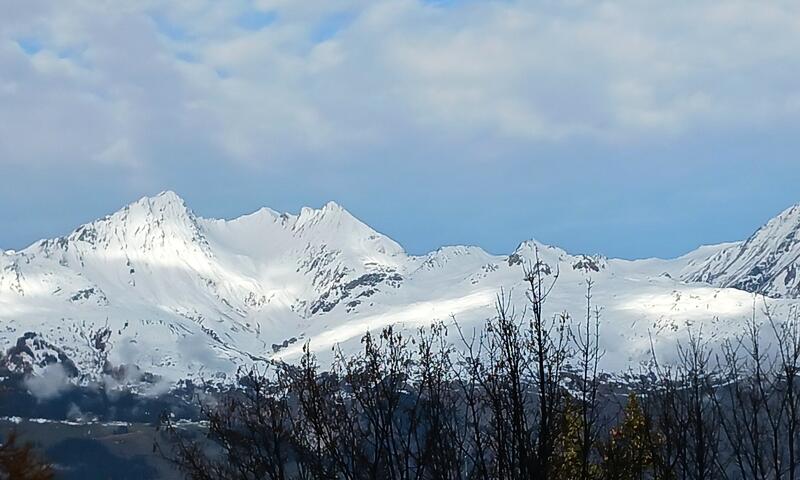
column 766, row 263
column 155, row 289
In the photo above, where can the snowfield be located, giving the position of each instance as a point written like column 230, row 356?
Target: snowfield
column 185, row 297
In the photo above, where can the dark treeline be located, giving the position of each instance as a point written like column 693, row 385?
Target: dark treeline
column 523, row 399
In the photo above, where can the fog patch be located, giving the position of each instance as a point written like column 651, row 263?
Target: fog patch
column 160, row 387
column 51, row 381
column 75, row 414
column 195, row 348
column 126, row 350
column 117, row 381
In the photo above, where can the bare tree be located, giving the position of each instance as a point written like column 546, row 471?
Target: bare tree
column 787, row 334
column 745, row 404
column 250, row 429
column 686, row 429
column 522, row 399
column 588, row 355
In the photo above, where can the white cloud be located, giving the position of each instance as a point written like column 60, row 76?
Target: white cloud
column 49, row 383
column 119, row 153
column 121, row 84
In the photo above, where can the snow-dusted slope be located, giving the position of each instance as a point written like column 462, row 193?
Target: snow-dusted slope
column 766, row 263
column 186, row 297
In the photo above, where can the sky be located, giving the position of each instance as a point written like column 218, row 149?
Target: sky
column 629, row 128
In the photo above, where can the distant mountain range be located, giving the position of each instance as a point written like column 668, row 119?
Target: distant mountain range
column 169, row 294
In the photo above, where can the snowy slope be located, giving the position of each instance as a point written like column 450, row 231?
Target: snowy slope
column 187, row 297
column 766, row 263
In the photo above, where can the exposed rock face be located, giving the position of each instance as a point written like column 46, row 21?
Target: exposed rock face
column 31, row 352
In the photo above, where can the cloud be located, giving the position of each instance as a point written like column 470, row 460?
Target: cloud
column 269, row 81
column 119, row 153
column 195, row 348
column 49, row 383
column 404, row 108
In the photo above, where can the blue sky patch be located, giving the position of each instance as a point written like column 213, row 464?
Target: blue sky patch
column 187, row 57
column 169, row 29
column 256, row 20
column 31, row 46
column 331, row 25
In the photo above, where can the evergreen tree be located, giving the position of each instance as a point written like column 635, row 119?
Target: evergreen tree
column 627, row 454
column 567, row 462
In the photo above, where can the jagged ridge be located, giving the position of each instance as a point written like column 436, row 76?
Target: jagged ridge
column 185, row 297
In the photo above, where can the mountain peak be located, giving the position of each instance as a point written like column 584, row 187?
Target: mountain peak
column 162, row 200
column 767, row 263
column 185, row 295
column 160, row 207
column 785, row 222
column 533, row 246
column 331, row 214
column 793, row 211
column 147, row 220
column 332, row 206
column 169, row 195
